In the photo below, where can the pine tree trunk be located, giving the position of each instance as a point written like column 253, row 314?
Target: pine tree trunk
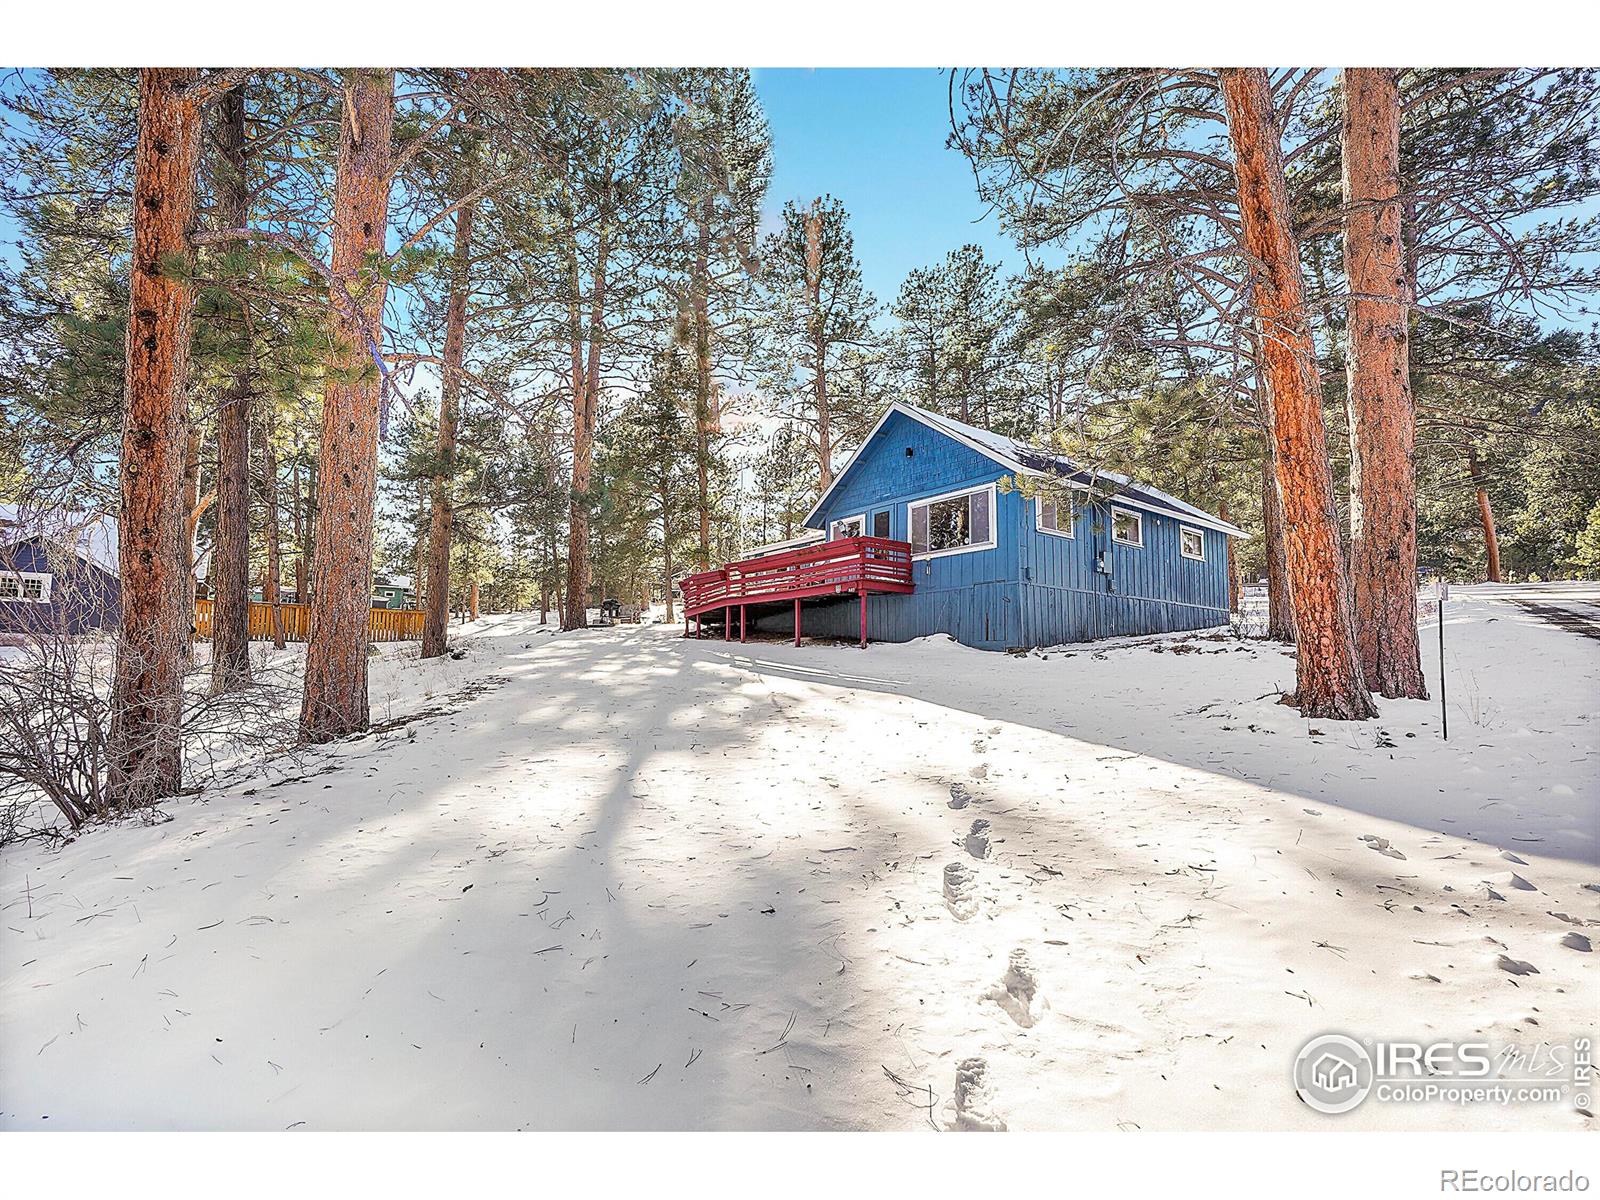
column 819, row 347
column 472, row 601
column 666, row 540
column 272, row 579
column 1280, row 605
column 144, row 752
column 230, row 613
column 701, row 302
column 436, row 622
column 1491, row 540
column 335, row 699
column 1234, row 588
column 1383, row 507
column 193, row 509
column 300, row 524
column 585, row 405
column 1329, row 682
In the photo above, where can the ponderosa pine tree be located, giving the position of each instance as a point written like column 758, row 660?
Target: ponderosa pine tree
column 1328, row 682
column 1383, row 483
column 437, row 594
column 230, row 614
column 725, row 163
column 818, row 310
column 335, row 698
column 144, row 751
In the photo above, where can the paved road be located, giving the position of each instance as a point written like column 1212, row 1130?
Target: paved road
column 1574, row 607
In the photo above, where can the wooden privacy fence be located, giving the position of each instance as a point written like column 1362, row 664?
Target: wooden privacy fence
column 383, row 624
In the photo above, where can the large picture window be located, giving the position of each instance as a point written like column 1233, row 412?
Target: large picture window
column 952, row 524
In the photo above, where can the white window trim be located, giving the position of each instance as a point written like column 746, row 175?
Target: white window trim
column 837, row 521
column 1199, row 533
column 46, row 580
column 925, row 501
column 1137, row 516
column 1070, row 532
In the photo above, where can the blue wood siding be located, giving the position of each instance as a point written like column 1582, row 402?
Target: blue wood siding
column 1150, row 588
column 1031, row 588
column 83, row 597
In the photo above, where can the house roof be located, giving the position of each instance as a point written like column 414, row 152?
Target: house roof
column 91, row 536
column 1020, row 458
column 808, row 538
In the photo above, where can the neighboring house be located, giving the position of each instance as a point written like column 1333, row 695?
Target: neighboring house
column 997, row 570
column 58, row 572
column 393, row 591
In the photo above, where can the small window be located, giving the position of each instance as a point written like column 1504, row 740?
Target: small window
column 26, row 586
column 1127, row 527
column 1056, row 518
column 952, row 524
column 1193, row 544
column 847, row 527
column 880, row 524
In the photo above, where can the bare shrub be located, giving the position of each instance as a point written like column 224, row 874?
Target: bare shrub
column 55, row 715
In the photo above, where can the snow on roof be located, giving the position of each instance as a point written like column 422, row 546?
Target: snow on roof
column 1026, row 459
column 91, row 536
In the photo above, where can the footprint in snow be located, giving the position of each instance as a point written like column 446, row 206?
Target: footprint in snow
column 1381, row 845
column 977, row 841
column 960, row 891
column 1515, row 966
column 1577, row 941
column 960, row 795
column 1018, row 993
column 975, row 1108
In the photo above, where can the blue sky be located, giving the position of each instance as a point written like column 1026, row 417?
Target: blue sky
column 876, row 140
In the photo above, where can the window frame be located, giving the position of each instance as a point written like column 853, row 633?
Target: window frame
column 46, row 583
column 985, row 489
column 1070, row 532
column 1117, row 539
column 1183, row 532
column 834, row 537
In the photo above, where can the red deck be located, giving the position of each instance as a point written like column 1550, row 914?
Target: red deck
column 846, row 567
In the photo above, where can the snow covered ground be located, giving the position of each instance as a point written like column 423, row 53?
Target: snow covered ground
column 628, row 880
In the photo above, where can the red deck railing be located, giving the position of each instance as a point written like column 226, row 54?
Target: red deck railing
column 848, row 566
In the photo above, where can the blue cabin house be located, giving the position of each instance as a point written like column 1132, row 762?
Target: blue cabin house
column 58, row 575
column 996, row 570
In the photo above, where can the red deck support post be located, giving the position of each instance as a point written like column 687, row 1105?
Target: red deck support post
column 797, row 622
column 685, row 624
column 727, row 622
column 741, row 623
column 863, row 618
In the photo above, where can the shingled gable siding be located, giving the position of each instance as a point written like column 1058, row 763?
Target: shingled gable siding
column 1032, row 588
